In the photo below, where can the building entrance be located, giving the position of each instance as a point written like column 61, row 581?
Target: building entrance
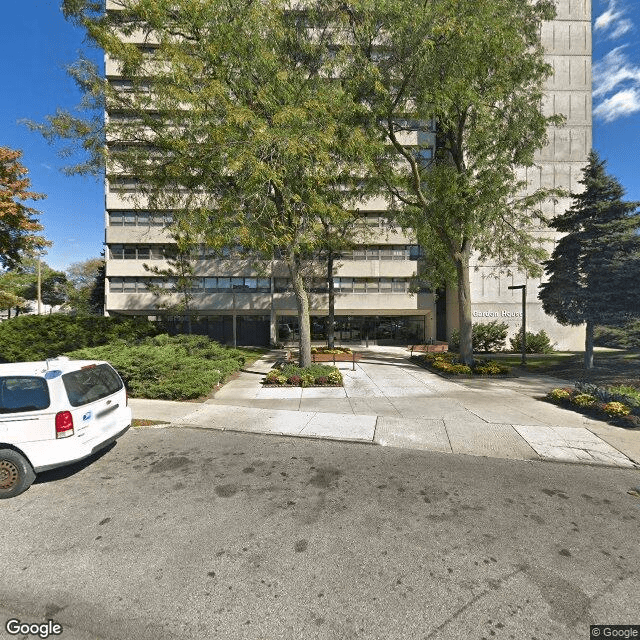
column 380, row 330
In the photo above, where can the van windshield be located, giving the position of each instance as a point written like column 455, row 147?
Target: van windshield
column 91, row 383
column 23, row 393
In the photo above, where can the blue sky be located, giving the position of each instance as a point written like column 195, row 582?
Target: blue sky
column 36, row 43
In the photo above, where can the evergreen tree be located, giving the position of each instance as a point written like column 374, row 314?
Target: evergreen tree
column 594, row 271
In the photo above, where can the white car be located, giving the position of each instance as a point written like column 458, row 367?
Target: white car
column 54, row 413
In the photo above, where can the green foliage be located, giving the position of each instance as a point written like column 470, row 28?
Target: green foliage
column 485, row 336
column 477, row 69
column 599, row 404
column 29, row 338
column 536, row 342
column 449, row 362
column 315, row 374
column 490, row 368
column 335, row 350
column 594, row 271
column 583, row 400
column 86, row 287
column 559, row 395
column 626, row 336
column 169, row 367
column 616, row 409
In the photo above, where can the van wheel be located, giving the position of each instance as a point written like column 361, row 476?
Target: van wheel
column 16, row 474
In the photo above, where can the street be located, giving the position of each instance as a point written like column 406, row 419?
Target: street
column 186, row 533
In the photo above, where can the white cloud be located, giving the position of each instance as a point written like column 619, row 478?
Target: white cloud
column 612, row 22
column 622, row 103
column 613, row 70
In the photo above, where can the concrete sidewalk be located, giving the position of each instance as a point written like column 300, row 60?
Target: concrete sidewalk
column 390, row 401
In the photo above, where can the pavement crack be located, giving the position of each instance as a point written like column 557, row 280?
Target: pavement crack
column 493, row 586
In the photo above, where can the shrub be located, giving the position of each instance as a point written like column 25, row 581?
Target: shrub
column 625, row 395
column 583, row 400
column 485, row 336
column 491, row 367
column 335, row 350
column 615, row 409
column 536, row 342
column 28, row 338
column 168, row 368
column 558, row 395
column 316, row 374
column 619, row 337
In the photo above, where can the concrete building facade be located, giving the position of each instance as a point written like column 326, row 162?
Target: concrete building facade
column 373, row 301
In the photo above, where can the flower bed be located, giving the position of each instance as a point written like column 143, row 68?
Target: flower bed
column 598, row 403
column 316, row 375
column 449, row 364
column 335, row 350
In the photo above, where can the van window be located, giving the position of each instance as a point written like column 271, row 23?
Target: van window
column 23, row 393
column 90, row 384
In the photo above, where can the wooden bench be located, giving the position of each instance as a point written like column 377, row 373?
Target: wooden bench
column 336, row 357
column 438, row 347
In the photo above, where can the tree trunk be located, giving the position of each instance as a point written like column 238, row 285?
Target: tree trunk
column 588, row 346
column 302, row 303
column 464, row 308
column 332, row 304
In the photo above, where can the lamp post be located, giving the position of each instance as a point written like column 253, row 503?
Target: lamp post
column 524, row 320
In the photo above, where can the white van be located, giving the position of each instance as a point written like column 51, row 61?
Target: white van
column 54, row 413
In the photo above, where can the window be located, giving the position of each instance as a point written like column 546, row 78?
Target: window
column 282, row 285
column 264, row 285
column 399, row 285
column 415, row 252
column 129, row 252
column 115, row 285
column 385, row 285
column 237, row 283
column 90, row 384
column 116, row 252
column 359, row 254
column 224, row 284
column 156, row 253
column 386, row 253
column 197, row 285
column 211, row 285
column 23, row 393
column 116, row 218
column 399, row 253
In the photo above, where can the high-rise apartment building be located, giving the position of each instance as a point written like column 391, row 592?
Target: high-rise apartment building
column 372, row 281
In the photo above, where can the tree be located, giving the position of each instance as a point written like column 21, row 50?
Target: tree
column 454, row 89
column 53, row 284
column 594, row 270
column 86, row 290
column 18, row 223
column 238, row 121
column 177, row 277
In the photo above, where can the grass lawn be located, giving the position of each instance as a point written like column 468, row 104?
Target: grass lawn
column 612, row 368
